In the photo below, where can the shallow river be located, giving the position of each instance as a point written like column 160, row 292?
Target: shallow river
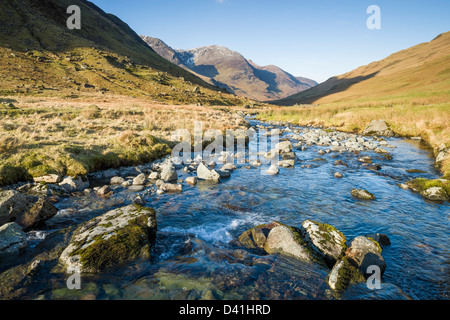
column 194, row 257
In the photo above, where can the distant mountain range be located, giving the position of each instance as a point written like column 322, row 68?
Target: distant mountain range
column 420, row 74
column 228, row 69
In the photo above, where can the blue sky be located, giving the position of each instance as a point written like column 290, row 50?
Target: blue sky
column 313, row 39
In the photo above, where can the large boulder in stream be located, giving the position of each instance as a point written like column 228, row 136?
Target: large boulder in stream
column 27, row 211
column 286, row 240
column 363, row 252
column 326, row 241
column 114, row 238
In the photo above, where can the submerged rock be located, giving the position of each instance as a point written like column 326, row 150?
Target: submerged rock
column 382, row 239
column 27, row 211
column 362, row 194
column 112, row 239
column 171, row 187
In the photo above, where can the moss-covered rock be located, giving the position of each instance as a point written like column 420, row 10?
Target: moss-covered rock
column 112, row 239
column 362, row 194
column 325, row 240
column 256, row 237
column 437, row 189
column 344, row 273
column 288, row 241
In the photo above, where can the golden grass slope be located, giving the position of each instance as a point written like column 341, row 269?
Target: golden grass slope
column 418, row 75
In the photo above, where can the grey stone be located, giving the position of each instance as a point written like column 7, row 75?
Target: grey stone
column 12, row 239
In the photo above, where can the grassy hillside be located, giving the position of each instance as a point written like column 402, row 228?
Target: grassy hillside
column 409, row 89
column 41, row 25
column 419, row 75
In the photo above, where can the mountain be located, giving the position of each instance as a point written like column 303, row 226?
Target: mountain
column 39, row 55
column 230, row 70
column 419, row 75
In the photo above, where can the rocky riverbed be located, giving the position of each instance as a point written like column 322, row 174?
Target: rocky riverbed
column 303, row 219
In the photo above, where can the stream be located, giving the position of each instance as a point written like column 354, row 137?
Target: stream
column 196, row 257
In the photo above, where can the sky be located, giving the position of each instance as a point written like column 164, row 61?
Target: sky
column 313, row 39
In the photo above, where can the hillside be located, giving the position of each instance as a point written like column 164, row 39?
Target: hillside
column 41, row 56
column 230, row 70
column 419, row 74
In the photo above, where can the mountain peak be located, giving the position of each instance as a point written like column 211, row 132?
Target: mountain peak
column 229, row 69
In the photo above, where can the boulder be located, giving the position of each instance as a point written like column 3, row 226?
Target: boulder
column 378, row 128
column 154, row 176
column 289, row 156
column 362, row 194
column 224, row 174
column 326, row 242
column 169, row 173
column 435, row 194
column 283, row 146
column 273, row 170
column 343, row 273
column 365, row 159
column 204, row 173
column 51, row 178
column 171, row 187
column 366, row 252
column 256, row 237
column 12, row 239
column 139, row 180
column 27, row 211
column 287, row 241
column 286, row 163
column 228, row 167
column 103, row 191
column 70, row 184
column 338, row 175
column 191, row 180
column 112, row 239
column 117, row 180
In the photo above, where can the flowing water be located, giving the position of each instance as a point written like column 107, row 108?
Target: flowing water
column 195, row 256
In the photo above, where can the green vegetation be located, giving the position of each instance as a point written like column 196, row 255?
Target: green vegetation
column 421, row 184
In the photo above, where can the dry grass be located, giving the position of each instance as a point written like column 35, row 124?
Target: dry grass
column 79, row 136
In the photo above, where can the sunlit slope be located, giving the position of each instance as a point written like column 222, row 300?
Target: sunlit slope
column 418, row 75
